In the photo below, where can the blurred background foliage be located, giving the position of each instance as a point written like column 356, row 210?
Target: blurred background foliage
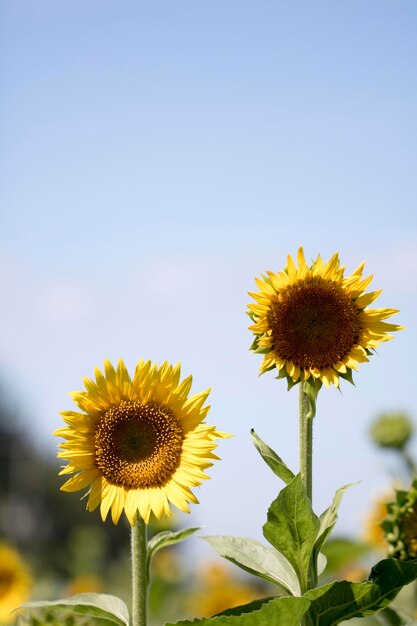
column 351, row 558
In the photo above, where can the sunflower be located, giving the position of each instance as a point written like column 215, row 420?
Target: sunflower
column 373, row 532
column 138, row 444
column 312, row 323
column 221, row 590
column 15, row 581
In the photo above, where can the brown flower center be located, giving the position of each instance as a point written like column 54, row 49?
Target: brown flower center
column 314, row 323
column 138, row 445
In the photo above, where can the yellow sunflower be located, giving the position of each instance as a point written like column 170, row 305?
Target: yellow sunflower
column 313, row 322
column 15, row 581
column 139, row 443
column 373, row 532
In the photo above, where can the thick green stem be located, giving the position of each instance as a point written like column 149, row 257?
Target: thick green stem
column 139, row 573
column 305, row 442
column 306, row 471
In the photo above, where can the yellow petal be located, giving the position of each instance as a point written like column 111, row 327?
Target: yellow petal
column 367, row 299
column 118, row 504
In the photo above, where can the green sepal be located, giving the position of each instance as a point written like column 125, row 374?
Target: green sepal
column 109, row 609
column 292, row 527
column 342, row 600
column 348, row 375
column 285, row 610
column 284, row 374
column 262, row 351
column 255, row 343
column 312, row 387
column 272, row 459
column 251, row 314
column 291, row 383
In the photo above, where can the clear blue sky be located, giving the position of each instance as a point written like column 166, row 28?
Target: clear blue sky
column 155, row 157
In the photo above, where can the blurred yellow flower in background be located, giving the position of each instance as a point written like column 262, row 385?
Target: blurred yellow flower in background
column 314, row 322
column 220, row 591
column 84, row 583
column 373, row 533
column 15, row 581
column 139, row 444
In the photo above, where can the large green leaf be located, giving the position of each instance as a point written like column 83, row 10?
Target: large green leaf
column 278, row 611
column 108, row 609
column 292, row 527
column 272, row 459
column 342, row 600
column 257, row 559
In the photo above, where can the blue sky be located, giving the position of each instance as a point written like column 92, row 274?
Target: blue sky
column 155, row 157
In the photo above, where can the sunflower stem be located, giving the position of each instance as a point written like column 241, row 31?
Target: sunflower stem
column 306, row 471
column 139, row 573
column 305, row 442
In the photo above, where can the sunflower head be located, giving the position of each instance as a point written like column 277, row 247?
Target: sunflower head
column 138, row 444
column 392, row 430
column 313, row 324
column 373, row 532
column 400, row 524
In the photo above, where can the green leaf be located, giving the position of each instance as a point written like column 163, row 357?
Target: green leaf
column 328, row 520
column 272, row 459
column 167, row 538
column 285, row 610
column 342, row 600
column 257, row 559
column 109, row 609
column 292, row 527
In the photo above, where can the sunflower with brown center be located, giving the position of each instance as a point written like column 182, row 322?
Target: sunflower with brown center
column 313, row 322
column 138, row 443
